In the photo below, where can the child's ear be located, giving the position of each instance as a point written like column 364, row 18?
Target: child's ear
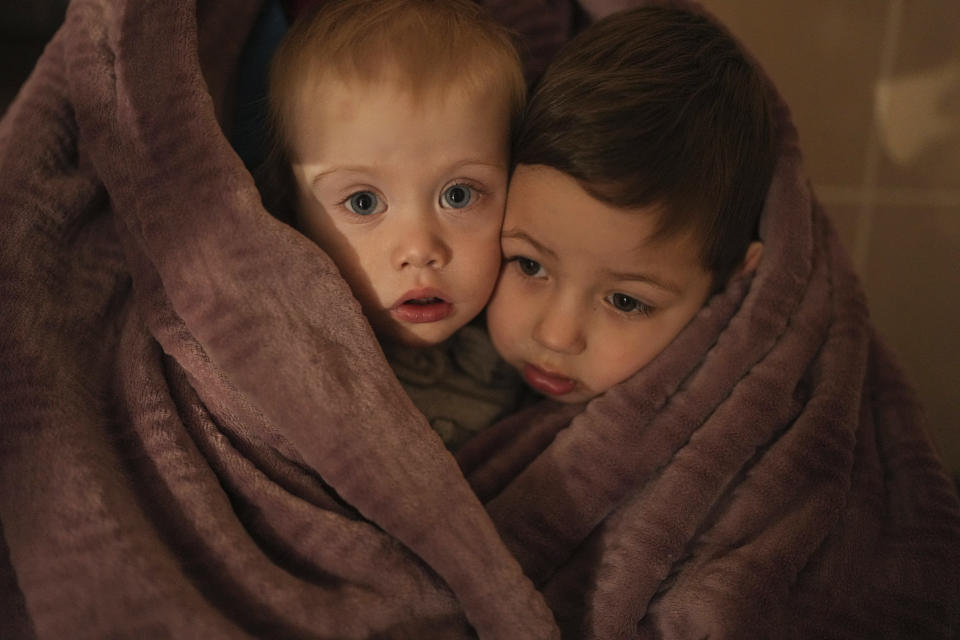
column 752, row 258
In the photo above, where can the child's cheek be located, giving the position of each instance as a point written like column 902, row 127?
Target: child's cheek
column 510, row 313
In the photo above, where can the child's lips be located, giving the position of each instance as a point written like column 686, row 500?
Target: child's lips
column 422, row 305
column 546, row 382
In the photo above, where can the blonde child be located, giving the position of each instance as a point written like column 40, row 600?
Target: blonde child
column 392, row 122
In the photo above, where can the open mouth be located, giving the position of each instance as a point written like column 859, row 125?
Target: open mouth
column 422, row 306
column 424, row 301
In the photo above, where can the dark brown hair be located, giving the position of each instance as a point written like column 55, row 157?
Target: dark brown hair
column 659, row 107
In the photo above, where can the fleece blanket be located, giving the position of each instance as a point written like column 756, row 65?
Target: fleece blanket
column 200, row 436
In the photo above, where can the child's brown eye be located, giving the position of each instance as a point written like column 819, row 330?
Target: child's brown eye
column 623, row 302
column 528, row 267
column 628, row 304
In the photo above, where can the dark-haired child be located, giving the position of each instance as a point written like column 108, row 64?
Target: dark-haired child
column 641, row 170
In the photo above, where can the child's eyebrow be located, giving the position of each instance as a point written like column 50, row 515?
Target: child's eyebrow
column 517, row 234
column 651, row 279
column 479, row 163
column 319, row 177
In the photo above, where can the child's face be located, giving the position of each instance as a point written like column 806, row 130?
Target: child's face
column 585, row 299
column 407, row 198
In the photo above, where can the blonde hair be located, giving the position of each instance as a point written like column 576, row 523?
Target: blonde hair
column 419, row 43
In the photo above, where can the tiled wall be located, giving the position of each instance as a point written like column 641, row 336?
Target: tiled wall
column 875, row 92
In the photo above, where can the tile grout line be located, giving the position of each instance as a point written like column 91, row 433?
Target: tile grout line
column 893, row 196
column 864, row 231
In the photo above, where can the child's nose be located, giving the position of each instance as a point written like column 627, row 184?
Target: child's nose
column 559, row 329
column 420, row 244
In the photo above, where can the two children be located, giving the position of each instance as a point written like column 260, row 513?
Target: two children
column 642, row 164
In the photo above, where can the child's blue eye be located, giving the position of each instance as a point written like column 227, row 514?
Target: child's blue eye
column 457, row 197
column 628, row 304
column 363, row 203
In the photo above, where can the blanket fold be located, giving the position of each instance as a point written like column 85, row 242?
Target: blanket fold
column 201, row 437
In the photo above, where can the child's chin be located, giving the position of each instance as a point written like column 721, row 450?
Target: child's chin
column 574, row 398
column 420, row 336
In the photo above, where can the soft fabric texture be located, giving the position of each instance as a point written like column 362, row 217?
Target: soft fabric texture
column 201, row 437
column 462, row 386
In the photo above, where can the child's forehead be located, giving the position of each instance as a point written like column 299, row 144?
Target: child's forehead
column 378, row 125
column 430, row 84
column 389, row 111
column 557, row 211
column 328, row 87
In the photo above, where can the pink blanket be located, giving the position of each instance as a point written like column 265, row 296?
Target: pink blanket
column 200, row 437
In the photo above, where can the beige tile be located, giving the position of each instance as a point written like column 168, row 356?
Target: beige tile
column 912, row 279
column 935, row 168
column 824, row 56
column 929, row 35
column 918, row 106
column 845, row 218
